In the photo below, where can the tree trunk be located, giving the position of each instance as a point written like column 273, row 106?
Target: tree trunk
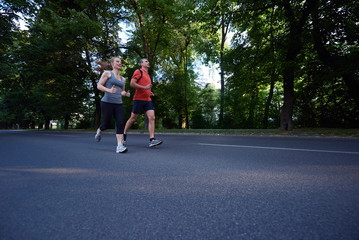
column 269, row 100
column 286, row 122
column 47, row 124
column 252, row 105
column 66, row 125
column 297, row 20
column 272, row 80
column 186, row 108
column 224, row 30
column 185, row 84
column 221, row 112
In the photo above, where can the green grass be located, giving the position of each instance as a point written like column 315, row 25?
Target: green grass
column 295, row 132
column 335, row 132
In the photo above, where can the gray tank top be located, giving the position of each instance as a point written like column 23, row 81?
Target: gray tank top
column 113, row 97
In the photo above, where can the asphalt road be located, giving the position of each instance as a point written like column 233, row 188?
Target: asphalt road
column 59, row 185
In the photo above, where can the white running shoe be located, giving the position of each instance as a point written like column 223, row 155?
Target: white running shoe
column 98, row 135
column 121, row 149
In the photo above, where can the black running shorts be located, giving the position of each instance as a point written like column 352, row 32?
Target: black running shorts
column 139, row 105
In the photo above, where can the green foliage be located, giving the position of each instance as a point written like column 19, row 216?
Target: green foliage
column 309, row 49
column 205, row 112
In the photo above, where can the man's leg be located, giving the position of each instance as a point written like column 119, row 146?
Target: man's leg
column 151, row 123
column 151, row 129
column 130, row 121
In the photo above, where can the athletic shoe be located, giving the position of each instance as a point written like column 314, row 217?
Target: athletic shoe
column 124, row 143
column 155, row 142
column 98, row 135
column 121, row 149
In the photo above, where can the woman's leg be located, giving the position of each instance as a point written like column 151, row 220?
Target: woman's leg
column 119, row 116
column 107, row 111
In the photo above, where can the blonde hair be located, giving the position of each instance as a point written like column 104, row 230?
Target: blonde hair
column 113, row 59
column 105, row 65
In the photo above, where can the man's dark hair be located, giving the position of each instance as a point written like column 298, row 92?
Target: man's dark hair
column 141, row 61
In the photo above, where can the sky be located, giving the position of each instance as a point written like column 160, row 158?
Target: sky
column 208, row 74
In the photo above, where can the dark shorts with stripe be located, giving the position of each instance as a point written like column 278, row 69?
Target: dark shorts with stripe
column 139, row 105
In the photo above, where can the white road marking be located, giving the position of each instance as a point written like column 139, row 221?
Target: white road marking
column 58, row 135
column 278, row 148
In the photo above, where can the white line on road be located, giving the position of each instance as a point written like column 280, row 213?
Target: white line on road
column 277, row 148
column 58, row 135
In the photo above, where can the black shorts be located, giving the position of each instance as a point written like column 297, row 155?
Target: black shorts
column 138, row 105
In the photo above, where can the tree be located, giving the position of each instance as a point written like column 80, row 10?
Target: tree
column 204, row 114
column 163, row 31
column 53, row 63
column 296, row 16
column 11, row 96
column 106, row 42
column 216, row 18
column 289, row 63
column 335, row 34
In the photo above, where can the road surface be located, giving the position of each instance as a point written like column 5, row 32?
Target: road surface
column 63, row 185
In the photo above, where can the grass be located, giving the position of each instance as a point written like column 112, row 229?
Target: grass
column 295, row 132
column 334, row 132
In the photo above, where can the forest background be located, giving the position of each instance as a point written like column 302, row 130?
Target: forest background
column 289, row 63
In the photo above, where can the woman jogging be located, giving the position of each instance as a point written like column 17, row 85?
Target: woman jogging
column 113, row 85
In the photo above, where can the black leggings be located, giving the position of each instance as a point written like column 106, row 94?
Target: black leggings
column 109, row 110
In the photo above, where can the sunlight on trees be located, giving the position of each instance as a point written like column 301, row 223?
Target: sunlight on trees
column 285, row 66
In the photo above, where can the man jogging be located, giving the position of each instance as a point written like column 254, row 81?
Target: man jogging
column 141, row 81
